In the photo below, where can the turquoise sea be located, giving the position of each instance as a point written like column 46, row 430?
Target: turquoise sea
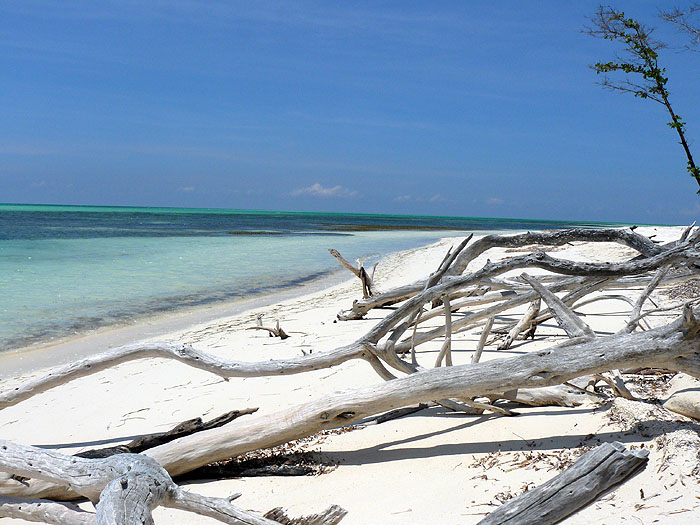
column 66, row 270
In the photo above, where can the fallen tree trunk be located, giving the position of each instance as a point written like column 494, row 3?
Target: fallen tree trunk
column 595, row 472
column 675, row 346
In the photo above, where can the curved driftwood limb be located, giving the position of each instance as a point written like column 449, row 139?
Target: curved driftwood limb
column 622, row 236
column 447, row 261
column 414, row 360
column 368, row 288
column 686, row 233
column 360, row 308
column 595, row 472
column 44, row 511
column 185, row 354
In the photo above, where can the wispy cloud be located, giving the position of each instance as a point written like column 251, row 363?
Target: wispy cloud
column 319, row 191
column 494, row 201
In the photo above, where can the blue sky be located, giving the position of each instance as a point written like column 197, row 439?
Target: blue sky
column 447, row 108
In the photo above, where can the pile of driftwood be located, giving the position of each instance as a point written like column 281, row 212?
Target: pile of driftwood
column 126, row 487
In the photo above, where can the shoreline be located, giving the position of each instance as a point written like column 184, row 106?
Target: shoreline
column 54, row 353
column 28, row 359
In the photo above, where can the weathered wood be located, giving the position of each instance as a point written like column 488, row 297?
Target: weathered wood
column 568, row 320
column 525, row 324
column 125, row 487
column 539, row 260
column 644, row 246
column 368, row 288
column 446, row 349
column 482, row 340
column 557, row 238
column 595, row 472
column 330, row 516
column 153, row 440
column 668, row 346
column 275, row 331
column 637, row 309
column 44, row 511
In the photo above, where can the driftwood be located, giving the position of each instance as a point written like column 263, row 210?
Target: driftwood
column 125, row 488
column 465, row 300
column 594, row 473
column 275, row 331
column 153, row 440
column 623, row 236
column 368, row 288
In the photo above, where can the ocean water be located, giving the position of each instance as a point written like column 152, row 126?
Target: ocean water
column 67, row 270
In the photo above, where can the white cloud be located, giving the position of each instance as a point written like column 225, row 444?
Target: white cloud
column 494, row 201
column 187, row 189
column 436, row 198
column 403, row 198
column 319, row 191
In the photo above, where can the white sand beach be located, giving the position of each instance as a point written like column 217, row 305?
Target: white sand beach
column 434, row 466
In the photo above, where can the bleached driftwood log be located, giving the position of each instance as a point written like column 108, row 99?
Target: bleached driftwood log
column 125, row 489
column 595, row 472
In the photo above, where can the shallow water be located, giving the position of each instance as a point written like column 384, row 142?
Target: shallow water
column 65, row 270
